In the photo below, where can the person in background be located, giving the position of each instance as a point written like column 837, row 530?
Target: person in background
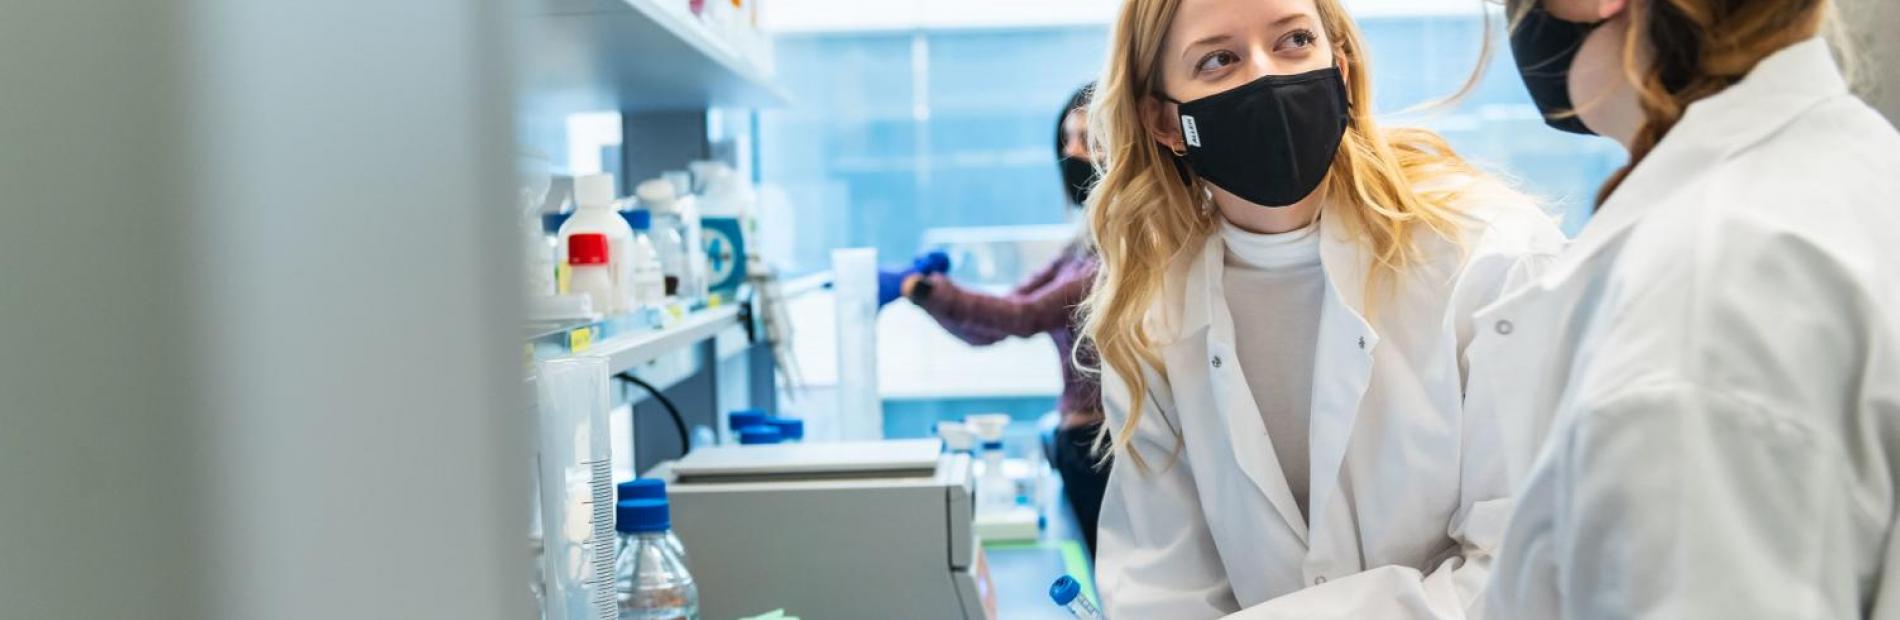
column 1713, row 368
column 1043, row 304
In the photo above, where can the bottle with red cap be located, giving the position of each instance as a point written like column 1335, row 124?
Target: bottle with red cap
column 590, row 269
column 594, row 213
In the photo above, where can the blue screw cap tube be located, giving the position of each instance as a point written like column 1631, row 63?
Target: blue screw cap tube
column 789, row 429
column 1067, row 592
column 759, row 435
column 744, row 418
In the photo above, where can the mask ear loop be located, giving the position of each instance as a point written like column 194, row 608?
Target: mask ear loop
column 1181, row 168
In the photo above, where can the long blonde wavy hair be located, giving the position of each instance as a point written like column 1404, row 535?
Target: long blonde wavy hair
column 1142, row 213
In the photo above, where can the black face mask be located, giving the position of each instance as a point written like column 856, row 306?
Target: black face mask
column 1077, row 177
column 1545, row 47
column 1270, row 141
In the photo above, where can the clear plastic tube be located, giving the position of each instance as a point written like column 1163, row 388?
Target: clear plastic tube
column 1067, row 593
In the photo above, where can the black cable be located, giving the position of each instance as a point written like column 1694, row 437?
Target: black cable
column 679, row 421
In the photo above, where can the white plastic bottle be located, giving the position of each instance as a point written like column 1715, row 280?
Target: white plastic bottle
column 995, row 492
column 649, row 282
column 693, row 283
column 594, row 213
column 668, row 233
column 589, row 268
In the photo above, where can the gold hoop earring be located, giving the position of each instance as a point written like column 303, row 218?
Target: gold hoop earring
column 1179, row 151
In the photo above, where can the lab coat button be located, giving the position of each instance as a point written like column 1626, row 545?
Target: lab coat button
column 1217, row 361
column 1505, row 328
column 1362, row 343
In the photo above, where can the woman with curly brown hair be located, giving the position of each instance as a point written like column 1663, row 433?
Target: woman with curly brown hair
column 1714, row 364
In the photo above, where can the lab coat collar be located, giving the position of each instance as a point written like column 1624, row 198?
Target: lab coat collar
column 1779, row 89
column 1191, row 280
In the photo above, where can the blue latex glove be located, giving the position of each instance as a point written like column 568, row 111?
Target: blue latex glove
column 890, row 285
column 935, row 262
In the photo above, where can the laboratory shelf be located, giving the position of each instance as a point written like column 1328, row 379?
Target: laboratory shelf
column 626, row 352
column 627, row 343
column 637, row 55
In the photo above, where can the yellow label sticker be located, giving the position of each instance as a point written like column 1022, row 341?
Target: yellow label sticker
column 579, row 340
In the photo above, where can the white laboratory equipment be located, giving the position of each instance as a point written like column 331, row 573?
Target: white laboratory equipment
column 594, row 212
column 1067, row 594
column 876, row 529
column 576, row 489
column 854, row 287
column 649, row 488
column 651, row 582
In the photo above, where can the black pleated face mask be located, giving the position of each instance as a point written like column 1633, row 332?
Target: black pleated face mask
column 1545, row 47
column 1270, row 141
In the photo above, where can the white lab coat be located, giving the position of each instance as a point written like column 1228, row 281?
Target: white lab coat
column 1716, row 362
column 1408, row 493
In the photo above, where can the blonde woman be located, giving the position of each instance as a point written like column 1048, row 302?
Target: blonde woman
column 1715, row 364
column 1285, row 294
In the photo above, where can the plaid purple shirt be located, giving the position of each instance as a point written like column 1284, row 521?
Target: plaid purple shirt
column 1044, row 303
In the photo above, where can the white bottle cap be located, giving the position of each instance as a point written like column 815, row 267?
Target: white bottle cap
column 594, row 191
column 988, row 426
column 656, row 194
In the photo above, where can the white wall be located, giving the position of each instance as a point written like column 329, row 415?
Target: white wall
column 1874, row 23
column 858, row 15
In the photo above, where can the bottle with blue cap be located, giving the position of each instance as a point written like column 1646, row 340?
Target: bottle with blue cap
column 1067, row 593
column 646, row 489
column 790, row 430
column 651, row 581
column 743, row 418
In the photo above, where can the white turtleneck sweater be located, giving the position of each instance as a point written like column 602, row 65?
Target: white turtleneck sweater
column 1274, row 286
